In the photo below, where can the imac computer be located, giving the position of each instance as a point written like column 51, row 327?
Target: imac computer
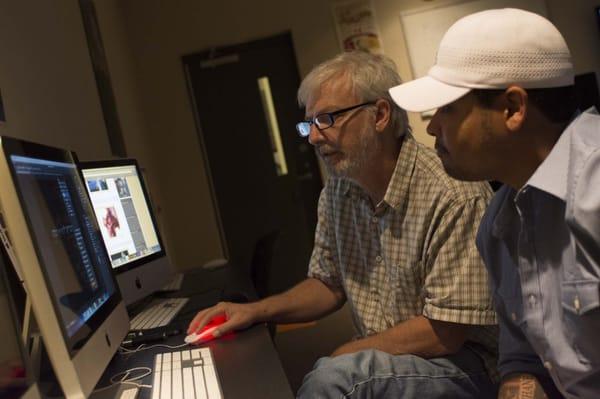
column 123, row 210
column 50, row 229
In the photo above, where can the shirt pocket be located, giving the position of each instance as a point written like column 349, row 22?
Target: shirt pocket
column 581, row 318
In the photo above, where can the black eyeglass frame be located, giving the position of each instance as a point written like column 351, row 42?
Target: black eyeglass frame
column 331, row 117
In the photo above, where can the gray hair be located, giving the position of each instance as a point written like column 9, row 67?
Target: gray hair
column 369, row 74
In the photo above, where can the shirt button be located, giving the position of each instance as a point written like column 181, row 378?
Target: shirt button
column 548, row 365
column 513, row 316
column 374, row 219
column 577, row 304
column 532, row 300
column 378, row 259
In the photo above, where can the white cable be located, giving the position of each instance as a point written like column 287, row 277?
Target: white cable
column 115, row 380
column 123, row 350
column 148, row 370
column 142, row 348
column 125, row 380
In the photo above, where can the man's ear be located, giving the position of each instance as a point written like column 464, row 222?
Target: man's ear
column 383, row 116
column 515, row 111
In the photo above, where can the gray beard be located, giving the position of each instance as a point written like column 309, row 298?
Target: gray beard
column 358, row 162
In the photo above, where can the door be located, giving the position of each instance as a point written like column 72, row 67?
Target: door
column 265, row 178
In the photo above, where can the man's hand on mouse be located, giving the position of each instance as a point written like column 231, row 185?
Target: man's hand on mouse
column 238, row 316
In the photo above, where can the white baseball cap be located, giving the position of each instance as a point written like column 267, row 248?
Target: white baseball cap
column 491, row 49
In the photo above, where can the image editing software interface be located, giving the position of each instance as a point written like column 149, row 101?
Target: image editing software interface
column 67, row 238
column 58, row 251
column 123, row 213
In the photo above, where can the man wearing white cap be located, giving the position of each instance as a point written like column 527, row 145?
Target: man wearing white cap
column 503, row 88
column 396, row 241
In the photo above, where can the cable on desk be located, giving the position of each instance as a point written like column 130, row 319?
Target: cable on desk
column 125, row 375
column 126, row 379
column 126, row 351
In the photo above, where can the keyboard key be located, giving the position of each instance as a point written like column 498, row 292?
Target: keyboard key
column 212, row 384
column 176, row 384
column 199, row 383
column 158, row 363
column 189, row 391
column 196, row 354
column 156, row 378
column 156, row 386
column 165, row 383
column 206, row 357
column 129, row 393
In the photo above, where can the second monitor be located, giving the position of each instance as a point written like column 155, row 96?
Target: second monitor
column 129, row 229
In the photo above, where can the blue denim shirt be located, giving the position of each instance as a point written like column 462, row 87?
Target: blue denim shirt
column 541, row 246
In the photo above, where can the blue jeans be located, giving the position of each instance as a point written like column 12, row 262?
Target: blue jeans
column 375, row 374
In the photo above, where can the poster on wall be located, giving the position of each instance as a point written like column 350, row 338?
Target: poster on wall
column 356, row 27
column 424, row 27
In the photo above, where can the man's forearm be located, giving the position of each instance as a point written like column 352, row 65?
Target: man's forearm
column 309, row 300
column 521, row 386
column 418, row 336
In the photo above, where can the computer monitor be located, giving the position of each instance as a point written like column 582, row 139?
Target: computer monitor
column 56, row 242
column 124, row 212
column 16, row 377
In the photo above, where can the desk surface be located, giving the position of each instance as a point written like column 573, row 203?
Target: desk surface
column 247, row 364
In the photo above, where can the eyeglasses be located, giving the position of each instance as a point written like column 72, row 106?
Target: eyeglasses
column 325, row 120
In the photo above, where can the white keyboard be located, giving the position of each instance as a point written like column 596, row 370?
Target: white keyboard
column 188, row 374
column 175, row 284
column 159, row 313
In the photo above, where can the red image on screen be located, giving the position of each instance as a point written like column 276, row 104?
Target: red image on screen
column 111, row 222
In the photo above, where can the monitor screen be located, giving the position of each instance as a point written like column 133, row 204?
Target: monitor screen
column 58, row 248
column 123, row 213
column 75, row 262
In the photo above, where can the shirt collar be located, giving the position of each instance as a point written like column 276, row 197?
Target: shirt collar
column 506, row 215
column 397, row 189
column 551, row 175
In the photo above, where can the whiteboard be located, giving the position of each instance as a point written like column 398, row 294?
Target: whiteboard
column 424, row 27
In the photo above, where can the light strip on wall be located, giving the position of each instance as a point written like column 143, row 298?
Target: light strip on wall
column 267, row 101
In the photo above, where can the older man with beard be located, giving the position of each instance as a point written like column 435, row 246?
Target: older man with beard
column 396, row 240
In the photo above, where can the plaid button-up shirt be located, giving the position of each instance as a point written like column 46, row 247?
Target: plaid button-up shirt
column 413, row 254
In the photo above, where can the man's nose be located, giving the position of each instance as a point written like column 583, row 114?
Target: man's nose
column 315, row 136
column 433, row 128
